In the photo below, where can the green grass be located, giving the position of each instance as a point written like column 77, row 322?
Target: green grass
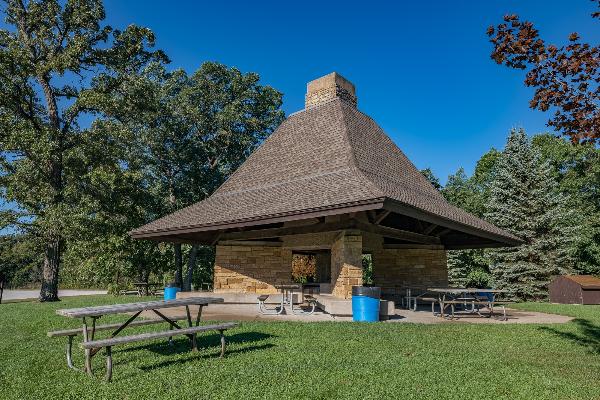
column 319, row 360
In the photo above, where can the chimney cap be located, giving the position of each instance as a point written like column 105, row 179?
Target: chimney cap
column 327, row 87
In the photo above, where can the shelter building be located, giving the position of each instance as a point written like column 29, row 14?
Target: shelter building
column 328, row 182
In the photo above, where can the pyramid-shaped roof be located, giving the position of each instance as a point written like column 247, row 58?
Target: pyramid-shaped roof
column 329, row 158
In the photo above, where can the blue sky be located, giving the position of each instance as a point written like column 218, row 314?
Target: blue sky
column 422, row 69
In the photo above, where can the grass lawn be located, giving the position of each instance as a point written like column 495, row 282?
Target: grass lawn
column 313, row 360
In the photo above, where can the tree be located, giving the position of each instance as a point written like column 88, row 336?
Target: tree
column 435, row 182
column 193, row 132
column 525, row 200
column 577, row 170
column 470, row 268
column 58, row 65
column 566, row 78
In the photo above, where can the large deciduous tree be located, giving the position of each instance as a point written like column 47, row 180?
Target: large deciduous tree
column 193, row 132
column 58, row 66
column 566, row 78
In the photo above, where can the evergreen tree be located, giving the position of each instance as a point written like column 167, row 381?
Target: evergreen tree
column 470, row 268
column 525, row 201
column 577, row 170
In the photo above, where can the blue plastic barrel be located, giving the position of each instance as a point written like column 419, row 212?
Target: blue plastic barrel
column 490, row 296
column 171, row 292
column 365, row 303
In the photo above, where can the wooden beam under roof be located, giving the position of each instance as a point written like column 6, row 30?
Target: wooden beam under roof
column 397, row 233
column 394, row 233
column 381, row 217
column 443, row 232
column 430, row 229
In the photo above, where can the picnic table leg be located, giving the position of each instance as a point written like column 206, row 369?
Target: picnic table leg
column 193, row 336
column 173, row 324
column 69, row 351
column 108, row 376
column 222, row 343
column 282, row 307
column 88, row 357
column 199, row 315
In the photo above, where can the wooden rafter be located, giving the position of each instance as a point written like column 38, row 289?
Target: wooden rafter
column 430, row 229
column 443, row 232
column 393, row 233
column 382, row 215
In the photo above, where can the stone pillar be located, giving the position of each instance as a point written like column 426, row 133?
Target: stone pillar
column 346, row 264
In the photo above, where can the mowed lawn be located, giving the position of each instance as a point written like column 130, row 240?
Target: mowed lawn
column 312, row 360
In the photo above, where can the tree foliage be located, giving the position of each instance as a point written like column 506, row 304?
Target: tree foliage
column 525, row 200
column 54, row 62
column 98, row 137
column 566, row 78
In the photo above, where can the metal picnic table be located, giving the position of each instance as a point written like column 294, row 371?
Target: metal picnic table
column 96, row 312
column 145, row 288
column 451, row 296
column 287, row 298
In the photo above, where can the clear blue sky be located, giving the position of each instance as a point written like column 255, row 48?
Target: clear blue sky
column 422, row 69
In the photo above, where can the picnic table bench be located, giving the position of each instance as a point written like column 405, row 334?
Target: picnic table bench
column 92, row 346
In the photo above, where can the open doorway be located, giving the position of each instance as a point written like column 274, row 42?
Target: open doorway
column 311, row 269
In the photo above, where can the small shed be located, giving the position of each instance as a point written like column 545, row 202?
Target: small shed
column 575, row 289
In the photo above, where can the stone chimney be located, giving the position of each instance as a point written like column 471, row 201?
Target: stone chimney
column 328, row 87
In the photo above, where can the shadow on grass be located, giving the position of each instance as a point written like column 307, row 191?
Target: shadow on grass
column 588, row 335
column 203, row 355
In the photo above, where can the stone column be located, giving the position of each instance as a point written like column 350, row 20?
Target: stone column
column 346, row 264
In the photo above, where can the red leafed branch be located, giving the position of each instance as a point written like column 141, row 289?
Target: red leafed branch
column 566, row 79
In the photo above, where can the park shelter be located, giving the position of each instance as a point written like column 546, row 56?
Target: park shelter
column 575, row 289
column 331, row 183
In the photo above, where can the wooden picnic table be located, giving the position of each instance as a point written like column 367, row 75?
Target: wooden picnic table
column 96, row 312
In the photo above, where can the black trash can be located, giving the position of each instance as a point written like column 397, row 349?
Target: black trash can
column 365, row 303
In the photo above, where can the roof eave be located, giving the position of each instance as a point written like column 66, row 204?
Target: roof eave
column 373, row 204
column 402, row 208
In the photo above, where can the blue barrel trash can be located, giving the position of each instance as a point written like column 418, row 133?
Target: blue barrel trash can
column 490, row 296
column 171, row 292
column 365, row 303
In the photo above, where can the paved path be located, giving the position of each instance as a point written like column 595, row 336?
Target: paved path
column 33, row 294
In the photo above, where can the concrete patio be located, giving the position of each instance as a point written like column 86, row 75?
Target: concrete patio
column 249, row 312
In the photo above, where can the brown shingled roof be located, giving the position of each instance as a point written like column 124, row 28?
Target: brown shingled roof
column 585, row 281
column 328, row 157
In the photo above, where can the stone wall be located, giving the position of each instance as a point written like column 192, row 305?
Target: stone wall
column 346, row 264
column 251, row 269
column 396, row 270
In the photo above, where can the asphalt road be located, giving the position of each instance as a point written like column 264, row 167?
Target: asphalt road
column 33, row 294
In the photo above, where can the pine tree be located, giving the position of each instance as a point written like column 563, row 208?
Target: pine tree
column 525, row 201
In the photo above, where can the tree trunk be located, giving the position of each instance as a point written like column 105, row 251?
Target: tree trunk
column 49, row 291
column 178, row 265
column 187, row 285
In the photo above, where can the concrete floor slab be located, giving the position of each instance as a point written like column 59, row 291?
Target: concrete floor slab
column 249, row 312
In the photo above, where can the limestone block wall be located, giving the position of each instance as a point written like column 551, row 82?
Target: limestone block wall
column 395, row 270
column 251, row 269
column 346, row 265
